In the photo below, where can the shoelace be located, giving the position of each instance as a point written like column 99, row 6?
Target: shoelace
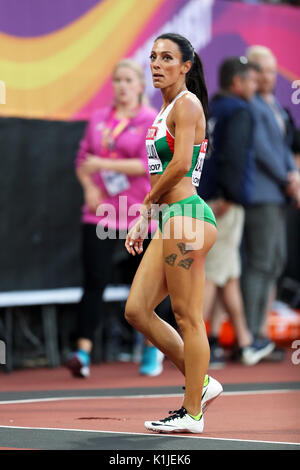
column 175, row 414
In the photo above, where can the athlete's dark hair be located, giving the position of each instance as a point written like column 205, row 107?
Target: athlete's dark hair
column 195, row 80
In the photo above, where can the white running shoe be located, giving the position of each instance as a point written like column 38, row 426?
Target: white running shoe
column 179, row 421
column 211, row 390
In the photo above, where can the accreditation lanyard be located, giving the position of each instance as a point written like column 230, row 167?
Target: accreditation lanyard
column 114, row 182
column 111, row 131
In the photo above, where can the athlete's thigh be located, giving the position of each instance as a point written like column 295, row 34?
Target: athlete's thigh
column 184, row 250
column 149, row 286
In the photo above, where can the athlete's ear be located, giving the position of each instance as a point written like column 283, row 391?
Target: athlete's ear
column 187, row 66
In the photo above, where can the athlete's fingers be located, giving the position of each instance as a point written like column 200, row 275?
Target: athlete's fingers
column 129, row 246
column 134, row 246
column 138, row 246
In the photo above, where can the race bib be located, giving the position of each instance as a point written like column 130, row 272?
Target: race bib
column 199, row 164
column 154, row 162
column 115, row 183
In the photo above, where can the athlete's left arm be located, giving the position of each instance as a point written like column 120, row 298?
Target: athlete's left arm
column 187, row 113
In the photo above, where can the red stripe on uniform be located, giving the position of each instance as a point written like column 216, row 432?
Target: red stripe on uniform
column 170, row 141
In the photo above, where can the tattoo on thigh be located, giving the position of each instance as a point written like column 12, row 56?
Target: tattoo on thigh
column 171, row 259
column 182, row 248
column 186, row 263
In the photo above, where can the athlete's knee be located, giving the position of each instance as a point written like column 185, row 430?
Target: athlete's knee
column 186, row 318
column 132, row 313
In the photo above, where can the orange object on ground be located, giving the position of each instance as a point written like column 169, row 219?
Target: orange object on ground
column 283, row 323
column 283, row 326
column 226, row 333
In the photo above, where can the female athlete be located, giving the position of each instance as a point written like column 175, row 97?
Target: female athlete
column 174, row 261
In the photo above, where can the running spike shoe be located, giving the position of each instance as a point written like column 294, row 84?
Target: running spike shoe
column 178, row 421
column 211, row 390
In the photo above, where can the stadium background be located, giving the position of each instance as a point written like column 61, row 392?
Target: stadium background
column 55, row 63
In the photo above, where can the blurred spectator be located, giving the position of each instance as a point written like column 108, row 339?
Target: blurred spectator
column 277, row 181
column 232, row 130
column 111, row 163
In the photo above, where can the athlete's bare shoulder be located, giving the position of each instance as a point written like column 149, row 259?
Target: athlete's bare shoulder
column 189, row 107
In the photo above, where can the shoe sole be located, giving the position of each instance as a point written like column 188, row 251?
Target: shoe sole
column 170, row 431
column 75, row 366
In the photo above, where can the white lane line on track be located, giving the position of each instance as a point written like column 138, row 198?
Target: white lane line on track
column 162, row 395
column 149, row 434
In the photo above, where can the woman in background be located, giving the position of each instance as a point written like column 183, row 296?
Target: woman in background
column 111, row 163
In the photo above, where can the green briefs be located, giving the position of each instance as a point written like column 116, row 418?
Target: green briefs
column 192, row 206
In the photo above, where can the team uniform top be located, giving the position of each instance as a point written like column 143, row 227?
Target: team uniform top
column 160, row 146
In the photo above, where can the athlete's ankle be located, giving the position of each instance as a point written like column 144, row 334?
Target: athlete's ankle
column 196, row 417
column 193, row 411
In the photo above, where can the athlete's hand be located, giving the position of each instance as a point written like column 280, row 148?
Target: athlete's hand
column 136, row 236
column 148, row 209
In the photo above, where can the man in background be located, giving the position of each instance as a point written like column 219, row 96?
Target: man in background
column 276, row 182
column 226, row 184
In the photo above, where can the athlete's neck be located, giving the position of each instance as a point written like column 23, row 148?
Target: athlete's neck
column 169, row 93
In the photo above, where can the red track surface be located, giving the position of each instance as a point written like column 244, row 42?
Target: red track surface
column 252, row 417
column 268, row 416
column 120, row 375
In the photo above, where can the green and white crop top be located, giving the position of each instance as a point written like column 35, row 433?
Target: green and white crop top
column 160, row 146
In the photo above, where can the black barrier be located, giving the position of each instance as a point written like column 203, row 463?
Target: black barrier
column 40, row 204
column 40, row 207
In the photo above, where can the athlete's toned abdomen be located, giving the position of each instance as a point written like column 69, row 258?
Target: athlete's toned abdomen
column 181, row 190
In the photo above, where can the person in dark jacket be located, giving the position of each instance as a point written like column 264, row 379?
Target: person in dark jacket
column 276, row 183
column 227, row 184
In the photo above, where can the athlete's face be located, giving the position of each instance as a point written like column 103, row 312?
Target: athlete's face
column 166, row 63
column 127, row 85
